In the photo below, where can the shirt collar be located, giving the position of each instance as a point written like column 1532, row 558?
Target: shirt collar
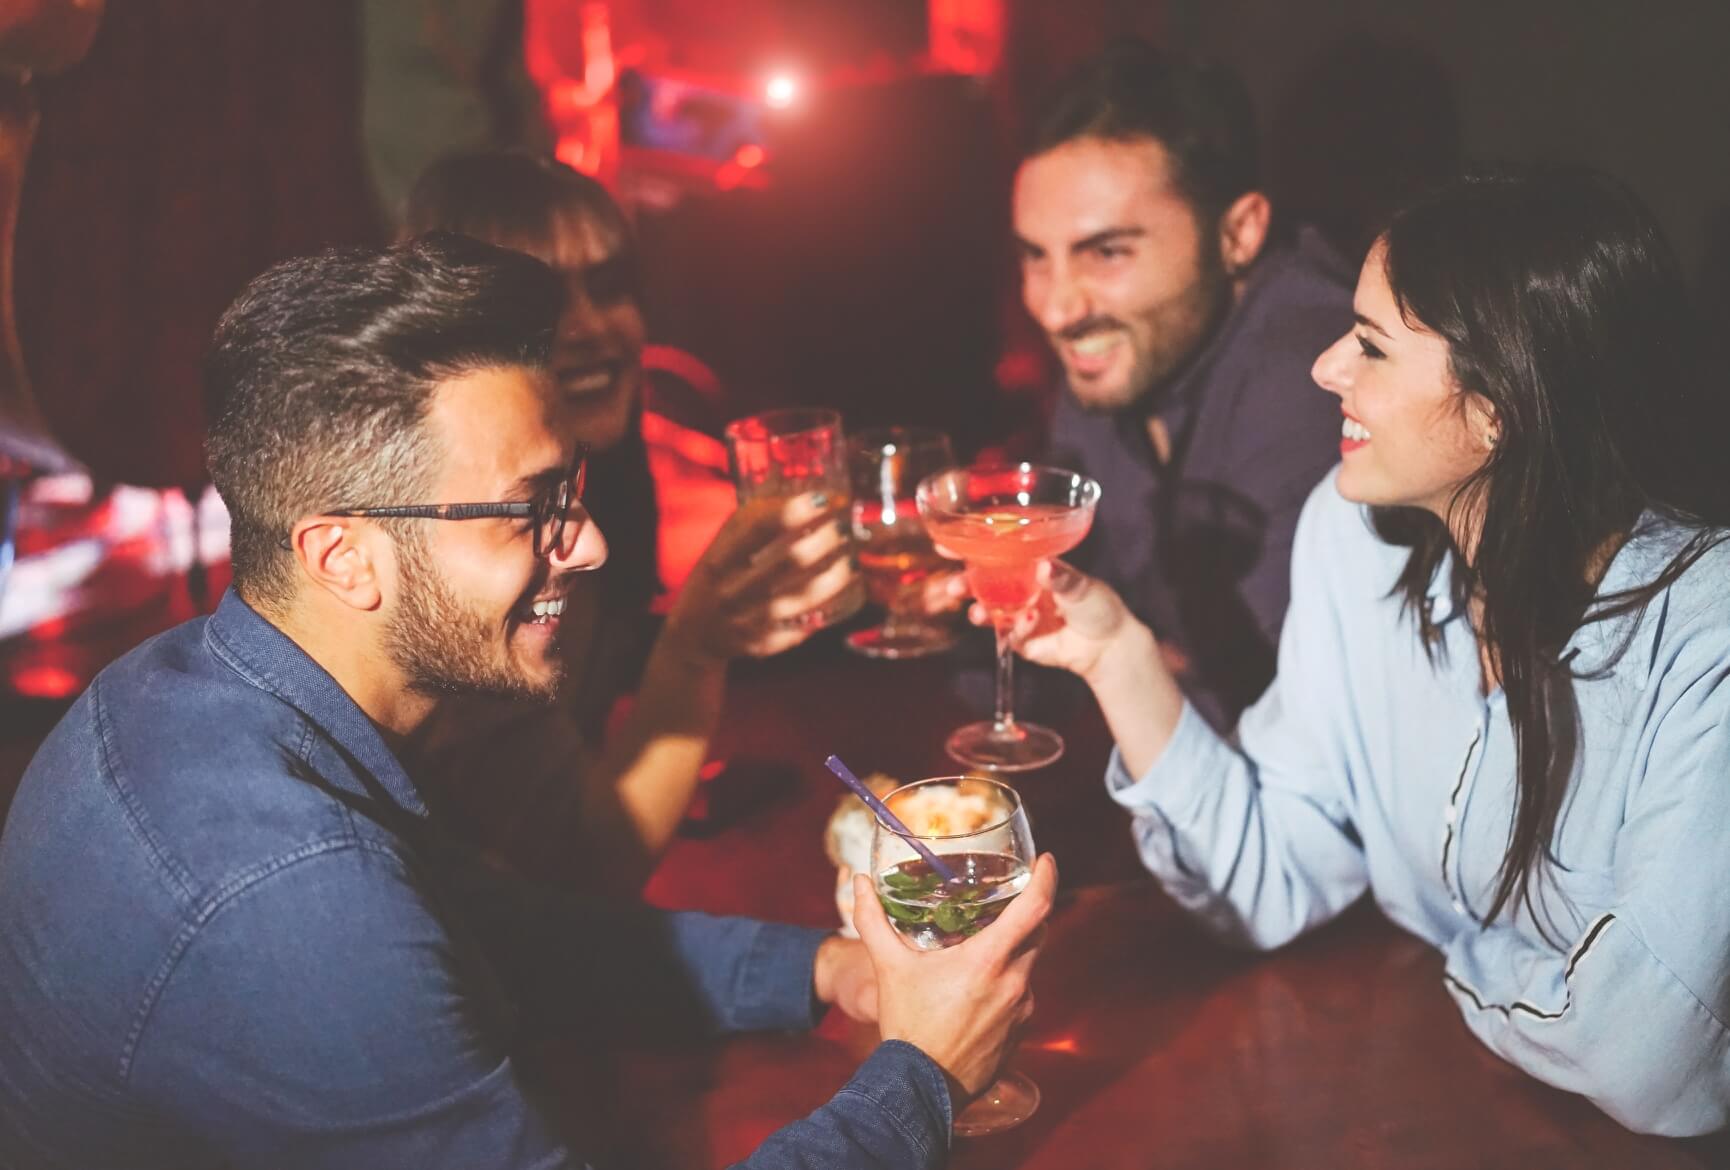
column 1439, row 596
column 1177, row 403
column 272, row 661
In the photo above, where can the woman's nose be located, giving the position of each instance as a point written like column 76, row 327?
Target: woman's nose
column 1330, row 369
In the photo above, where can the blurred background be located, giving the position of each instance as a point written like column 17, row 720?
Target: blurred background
column 820, row 189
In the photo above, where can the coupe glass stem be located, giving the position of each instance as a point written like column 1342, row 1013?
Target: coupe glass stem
column 1003, row 718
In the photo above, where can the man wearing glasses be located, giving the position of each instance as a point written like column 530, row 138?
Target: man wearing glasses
column 232, row 933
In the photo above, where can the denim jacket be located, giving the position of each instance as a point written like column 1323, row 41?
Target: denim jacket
column 231, row 935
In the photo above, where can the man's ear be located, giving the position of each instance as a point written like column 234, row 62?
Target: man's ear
column 1243, row 231
column 347, row 558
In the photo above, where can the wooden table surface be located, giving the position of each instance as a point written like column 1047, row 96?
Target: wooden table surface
column 1152, row 1045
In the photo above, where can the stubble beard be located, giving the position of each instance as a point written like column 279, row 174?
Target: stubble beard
column 1177, row 330
column 444, row 647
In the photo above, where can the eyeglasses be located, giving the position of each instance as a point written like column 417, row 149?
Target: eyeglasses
column 549, row 513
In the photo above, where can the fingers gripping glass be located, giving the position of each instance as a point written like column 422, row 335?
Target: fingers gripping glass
column 549, row 512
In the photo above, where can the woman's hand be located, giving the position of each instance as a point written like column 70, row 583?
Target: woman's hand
column 1073, row 626
column 1079, row 624
column 771, row 569
column 1075, row 622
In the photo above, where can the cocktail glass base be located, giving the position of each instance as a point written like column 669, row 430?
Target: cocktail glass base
column 1011, row 747
column 901, row 640
column 1010, row 1100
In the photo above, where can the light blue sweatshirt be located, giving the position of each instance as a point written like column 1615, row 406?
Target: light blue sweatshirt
column 1367, row 766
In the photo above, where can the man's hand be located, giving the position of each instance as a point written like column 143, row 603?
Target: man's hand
column 773, row 564
column 844, row 977
column 960, row 1006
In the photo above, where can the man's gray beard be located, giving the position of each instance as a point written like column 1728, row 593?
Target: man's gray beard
column 443, row 647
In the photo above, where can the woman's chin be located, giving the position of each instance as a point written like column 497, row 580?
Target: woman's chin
column 600, row 420
column 1361, row 489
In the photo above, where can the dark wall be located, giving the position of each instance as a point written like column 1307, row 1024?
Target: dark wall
column 199, row 141
column 866, row 277
column 1639, row 89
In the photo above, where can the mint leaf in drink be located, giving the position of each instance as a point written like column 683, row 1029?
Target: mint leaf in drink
column 912, row 915
column 910, row 885
column 950, row 917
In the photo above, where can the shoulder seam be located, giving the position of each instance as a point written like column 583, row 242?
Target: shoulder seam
column 113, row 777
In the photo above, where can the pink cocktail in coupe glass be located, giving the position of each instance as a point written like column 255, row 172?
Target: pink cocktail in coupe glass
column 1003, row 521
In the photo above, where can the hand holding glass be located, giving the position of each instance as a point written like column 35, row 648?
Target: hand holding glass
column 786, row 453
column 979, row 829
column 895, row 554
column 1003, row 521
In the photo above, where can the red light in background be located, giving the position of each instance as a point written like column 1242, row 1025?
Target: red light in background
column 742, row 170
column 49, row 629
column 571, row 152
column 44, row 681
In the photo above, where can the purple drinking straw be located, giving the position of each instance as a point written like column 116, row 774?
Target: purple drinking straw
column 889, row 820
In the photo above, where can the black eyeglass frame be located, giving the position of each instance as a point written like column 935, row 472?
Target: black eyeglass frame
column 550, row 513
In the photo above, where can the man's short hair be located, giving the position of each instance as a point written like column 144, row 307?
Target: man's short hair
column 321, row 373
column 1198, row 111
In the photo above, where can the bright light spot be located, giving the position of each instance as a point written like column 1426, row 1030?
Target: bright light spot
column 750, row 155
column 781, row 91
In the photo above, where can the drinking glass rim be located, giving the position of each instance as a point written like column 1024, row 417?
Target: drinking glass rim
column 822, row 419
column 1014, row 796
column 1090, row 485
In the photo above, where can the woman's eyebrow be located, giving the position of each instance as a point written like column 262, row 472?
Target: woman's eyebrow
column 1369, row 324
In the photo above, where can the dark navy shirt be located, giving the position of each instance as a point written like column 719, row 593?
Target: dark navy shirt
column 1200, row 548
column 230, row 935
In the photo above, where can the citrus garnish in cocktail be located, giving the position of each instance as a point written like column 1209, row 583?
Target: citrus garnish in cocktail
column 1002, row 522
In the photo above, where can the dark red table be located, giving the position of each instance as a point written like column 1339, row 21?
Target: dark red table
column 1154, row 1046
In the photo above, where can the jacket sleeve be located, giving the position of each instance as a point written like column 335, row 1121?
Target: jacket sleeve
column 325, row 1015
column 1256, row 837
column 894, row 1113
column 1631, row 1010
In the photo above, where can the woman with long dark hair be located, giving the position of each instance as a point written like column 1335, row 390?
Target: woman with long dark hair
column 1503, row 700
column 529, row 783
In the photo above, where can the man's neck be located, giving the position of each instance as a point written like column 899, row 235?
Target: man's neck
column 350, row 654
column 1159, row 435
column 1159, row 438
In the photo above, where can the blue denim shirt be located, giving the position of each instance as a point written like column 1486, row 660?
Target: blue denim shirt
column 1370, row 766
column 231, row 935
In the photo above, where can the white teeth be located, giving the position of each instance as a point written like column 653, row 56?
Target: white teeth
column 587, row 383
column 1351, row 428
column 1094, row 344
column 549, row 608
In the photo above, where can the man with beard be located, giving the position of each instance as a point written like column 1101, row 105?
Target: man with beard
column 231, row 932
column 1186, row 329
